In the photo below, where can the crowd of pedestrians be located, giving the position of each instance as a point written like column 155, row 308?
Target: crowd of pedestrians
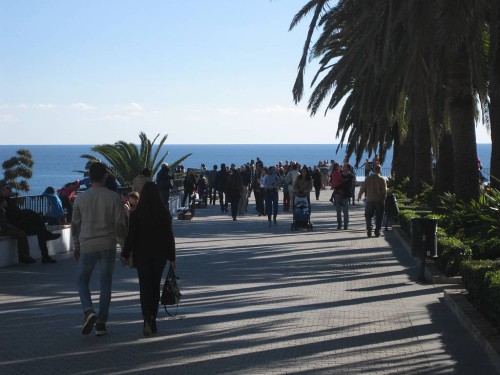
column 140, row 222
column 232, row 186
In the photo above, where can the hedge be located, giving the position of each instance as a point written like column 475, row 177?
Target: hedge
column 482, row 280
column 451, row 253
column 487, row 249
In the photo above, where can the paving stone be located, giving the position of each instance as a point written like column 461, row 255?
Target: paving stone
column 256, row 300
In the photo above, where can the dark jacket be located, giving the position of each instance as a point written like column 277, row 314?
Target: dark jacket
column 150, row 237
column 235, row 185
column 221, row 180
column 164, row 179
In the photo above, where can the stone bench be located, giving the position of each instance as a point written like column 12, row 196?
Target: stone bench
column 8, row 245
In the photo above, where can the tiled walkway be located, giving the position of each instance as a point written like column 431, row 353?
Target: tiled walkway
column 257, row 300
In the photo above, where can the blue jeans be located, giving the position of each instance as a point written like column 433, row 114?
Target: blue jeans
column 86, row 264
column 342, row 206
column 271, row 203
column 377, row 209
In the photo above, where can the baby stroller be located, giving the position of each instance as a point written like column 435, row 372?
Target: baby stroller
column 301, row 213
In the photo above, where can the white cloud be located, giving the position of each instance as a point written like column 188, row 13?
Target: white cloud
column 7, row 118
column 5, row 106
column 227, row 111
column 82, row 106
column 134, row 107
column 281, row 109
column 45, row 106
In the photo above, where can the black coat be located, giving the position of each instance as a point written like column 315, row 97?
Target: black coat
column 150, row 237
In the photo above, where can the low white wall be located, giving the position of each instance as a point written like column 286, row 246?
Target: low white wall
column 8, row 246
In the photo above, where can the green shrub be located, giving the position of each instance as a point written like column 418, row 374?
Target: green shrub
column 405, row 217
column 473, row 276
column 451, row 253
column 486, row 249
column 492, row 298
column 482, row 280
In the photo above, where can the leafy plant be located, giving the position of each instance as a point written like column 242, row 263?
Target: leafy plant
column 18, row 169
column 127, row 160
column 402, row 190
column 474, row 221
column 451, row 253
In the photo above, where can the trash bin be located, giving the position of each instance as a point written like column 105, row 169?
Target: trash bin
column 430, row 229
column 423, row 237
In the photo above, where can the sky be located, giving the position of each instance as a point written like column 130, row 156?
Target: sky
column 201, row 71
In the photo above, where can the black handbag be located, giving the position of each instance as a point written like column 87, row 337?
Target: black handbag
column 170, row 294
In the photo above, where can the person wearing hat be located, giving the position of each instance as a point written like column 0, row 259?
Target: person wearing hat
column 28, row 221
column 271, row 186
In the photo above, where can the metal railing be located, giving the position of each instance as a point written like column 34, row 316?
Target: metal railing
column 37, row 203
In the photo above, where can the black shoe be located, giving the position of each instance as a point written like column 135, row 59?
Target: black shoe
column 154, row 328
column 49, row 236
column 27, row 260
column 345, row 227
column 331, row 200
column 369, row 232
column 48, row 260
column 377, row 232
column 339, row 227
column 148, row 329
column 89, row 320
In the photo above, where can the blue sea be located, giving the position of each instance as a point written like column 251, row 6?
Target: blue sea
column 56, row 165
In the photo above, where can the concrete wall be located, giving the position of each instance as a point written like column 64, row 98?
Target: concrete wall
column 8, row 246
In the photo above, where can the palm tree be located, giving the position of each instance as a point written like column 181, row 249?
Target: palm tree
column 494, row 92
column 366, row 58
column 127, row 160
column 381, row 56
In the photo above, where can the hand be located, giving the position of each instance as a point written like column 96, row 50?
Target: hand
column 172, row 265
column 76, row 255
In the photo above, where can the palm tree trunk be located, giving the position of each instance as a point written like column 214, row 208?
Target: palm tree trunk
column 405, row 159
column 422, row 170
column 494, row 92
column 463, row 133
column 444, row 166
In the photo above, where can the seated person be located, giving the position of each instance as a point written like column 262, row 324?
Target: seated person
column 56, row 210
column 28, row 221
column 7, row 229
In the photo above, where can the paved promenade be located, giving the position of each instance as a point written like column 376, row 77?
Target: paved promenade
column 257, row 300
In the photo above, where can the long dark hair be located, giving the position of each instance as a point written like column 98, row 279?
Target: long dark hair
column 150, row 207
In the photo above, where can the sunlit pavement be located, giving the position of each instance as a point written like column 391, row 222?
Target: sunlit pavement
column 256, row 300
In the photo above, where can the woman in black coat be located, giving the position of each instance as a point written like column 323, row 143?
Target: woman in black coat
column 316, row 176
column 151, row 241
